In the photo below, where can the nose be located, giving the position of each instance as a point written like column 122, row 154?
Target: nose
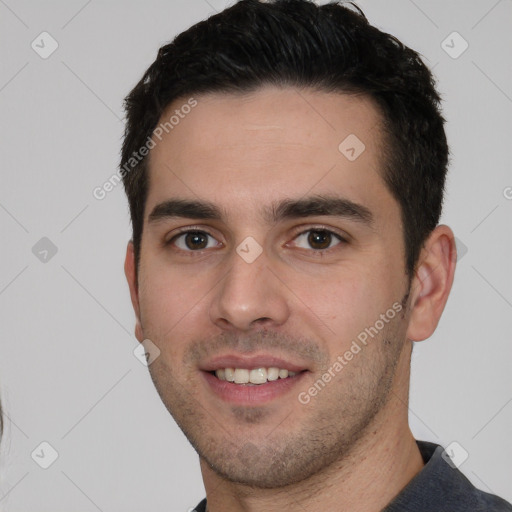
column 250, row 295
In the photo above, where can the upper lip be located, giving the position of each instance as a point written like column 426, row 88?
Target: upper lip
column 250, row 363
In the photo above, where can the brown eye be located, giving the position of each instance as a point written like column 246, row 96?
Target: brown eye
column 196, row 241
column 318, row 239
column 192, row 241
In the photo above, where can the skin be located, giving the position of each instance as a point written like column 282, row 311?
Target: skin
column 350, row 448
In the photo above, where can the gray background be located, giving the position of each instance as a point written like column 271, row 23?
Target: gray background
column 68, row 375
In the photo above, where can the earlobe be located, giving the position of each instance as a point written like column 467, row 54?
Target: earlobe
column 432, row 283
column 131, row 277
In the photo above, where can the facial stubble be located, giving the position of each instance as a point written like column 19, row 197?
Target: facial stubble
column 282, row 451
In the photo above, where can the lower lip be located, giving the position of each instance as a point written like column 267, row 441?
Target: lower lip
column 242, row 394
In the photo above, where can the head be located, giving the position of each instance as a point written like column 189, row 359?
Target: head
column 328, row 48
column 304, row 152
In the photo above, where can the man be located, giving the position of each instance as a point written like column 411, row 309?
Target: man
column 285, row 166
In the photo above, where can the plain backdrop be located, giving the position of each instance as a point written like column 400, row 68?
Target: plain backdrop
column 68, row 374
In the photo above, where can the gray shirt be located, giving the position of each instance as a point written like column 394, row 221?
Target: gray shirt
column 438, row 487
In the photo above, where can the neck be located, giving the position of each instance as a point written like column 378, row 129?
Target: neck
column 378, row 467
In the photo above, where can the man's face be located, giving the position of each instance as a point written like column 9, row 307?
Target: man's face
column 268, row 284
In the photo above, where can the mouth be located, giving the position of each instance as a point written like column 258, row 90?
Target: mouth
column 251, row 381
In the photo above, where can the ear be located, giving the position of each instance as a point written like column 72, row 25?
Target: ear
column 432, row 283
column 131, row 277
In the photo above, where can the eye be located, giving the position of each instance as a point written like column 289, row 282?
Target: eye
column 318, row 239
column 192, row 240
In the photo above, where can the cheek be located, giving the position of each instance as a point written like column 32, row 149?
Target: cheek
column 347, row 302
column 168, row 300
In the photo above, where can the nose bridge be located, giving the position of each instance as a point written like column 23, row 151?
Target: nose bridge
column 249, row 293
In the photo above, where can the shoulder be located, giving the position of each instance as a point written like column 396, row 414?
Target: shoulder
column 440, row 486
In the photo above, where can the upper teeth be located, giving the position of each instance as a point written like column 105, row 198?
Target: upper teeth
column 256, row 376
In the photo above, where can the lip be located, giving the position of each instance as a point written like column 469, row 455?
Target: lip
column 250, row 363
column 247, row 395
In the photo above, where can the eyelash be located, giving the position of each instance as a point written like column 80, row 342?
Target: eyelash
column 317, row 252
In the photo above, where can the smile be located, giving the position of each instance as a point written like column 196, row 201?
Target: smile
column 255, row 376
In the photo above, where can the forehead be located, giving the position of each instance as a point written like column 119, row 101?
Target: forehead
column 241, row 151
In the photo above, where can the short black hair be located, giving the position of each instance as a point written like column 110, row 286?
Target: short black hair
column 330, row 48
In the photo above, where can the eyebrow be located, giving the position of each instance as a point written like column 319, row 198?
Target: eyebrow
column 318, row 205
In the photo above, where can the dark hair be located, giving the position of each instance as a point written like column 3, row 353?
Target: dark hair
column 330, row 48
